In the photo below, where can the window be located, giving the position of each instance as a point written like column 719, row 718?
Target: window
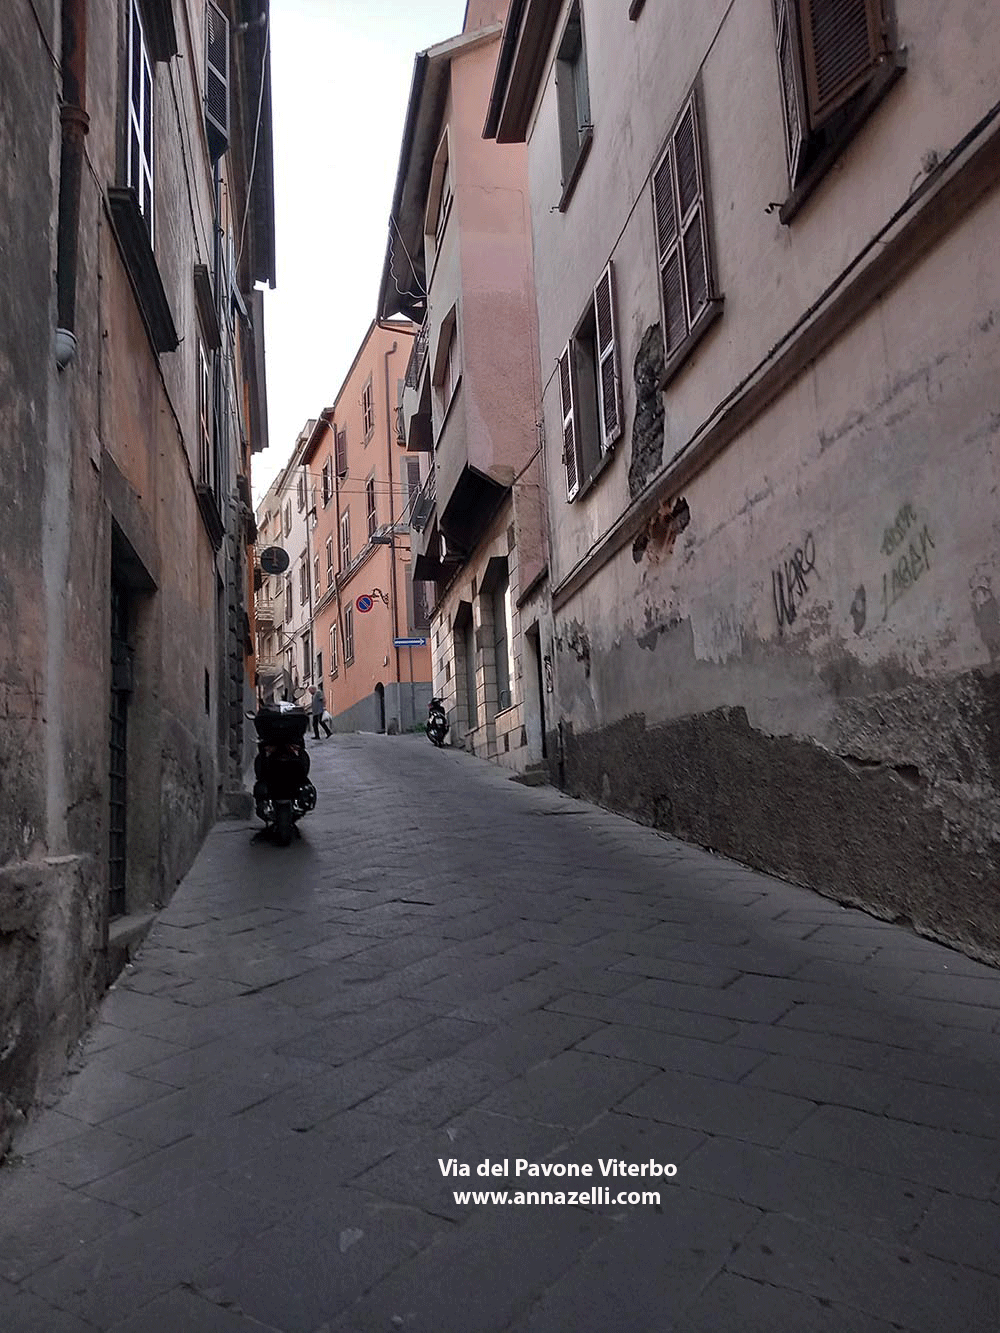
column 368, row 410
column 307, row 658
column 573, row 95
column 345, row 541
column 412, row 481
column 288, row 517
column 329, row 562
column 204, row 416
column 316, row 576
column 502, row 641
column 319, row 668
column 688, row 299
column 301, row 495
column 447, row 362
column 341, row 453
column 333, row 650
column 439, row 198
column 590, row 397
column 289, row 604
column 139, row 168
column 303, row 581
column 370, row 506
column 834, row 69
column 348, row 633
column 327, row 482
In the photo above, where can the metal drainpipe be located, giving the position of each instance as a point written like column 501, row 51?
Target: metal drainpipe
column 75, row 124
column 332, row 427
column 392, row 526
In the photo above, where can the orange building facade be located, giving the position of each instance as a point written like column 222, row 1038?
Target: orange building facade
column 364, row 602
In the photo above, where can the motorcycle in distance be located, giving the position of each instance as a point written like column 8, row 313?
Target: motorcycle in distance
column 437, row 722
column 282, row 792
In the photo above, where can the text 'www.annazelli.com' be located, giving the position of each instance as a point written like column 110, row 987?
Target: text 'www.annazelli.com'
column 600, row 1194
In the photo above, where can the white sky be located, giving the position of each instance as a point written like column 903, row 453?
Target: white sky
column 340, row 73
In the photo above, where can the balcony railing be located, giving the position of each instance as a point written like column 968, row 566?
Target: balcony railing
column 418, row 355
column 264, row 608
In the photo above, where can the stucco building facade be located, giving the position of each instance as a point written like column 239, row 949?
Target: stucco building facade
column 459, row 263
column 364, row 598
column 132, row 234
column 768, row 337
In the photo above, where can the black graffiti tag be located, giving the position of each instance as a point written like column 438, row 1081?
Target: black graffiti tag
column 789, row 581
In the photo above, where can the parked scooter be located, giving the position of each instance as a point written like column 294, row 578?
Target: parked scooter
column 437, row 723
column 282, row 793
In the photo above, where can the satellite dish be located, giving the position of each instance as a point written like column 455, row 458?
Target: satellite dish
column 274, row 560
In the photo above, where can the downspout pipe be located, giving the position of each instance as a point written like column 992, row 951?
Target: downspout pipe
column 392, row 514
column 75, row 124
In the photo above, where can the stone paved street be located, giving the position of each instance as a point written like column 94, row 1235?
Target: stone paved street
column 451, row 965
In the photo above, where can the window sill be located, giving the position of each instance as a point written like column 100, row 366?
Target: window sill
column 576, row 169
column 136, row 251
column 866, row 104
column 700, row 327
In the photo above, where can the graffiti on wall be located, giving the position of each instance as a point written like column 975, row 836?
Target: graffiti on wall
column 907, row 544
column 790, row 581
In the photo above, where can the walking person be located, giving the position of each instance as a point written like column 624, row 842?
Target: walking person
column 318, row 708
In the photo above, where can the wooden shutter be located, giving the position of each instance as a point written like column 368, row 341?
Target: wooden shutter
column 665, row 217
column 691, row 200
column 789, row 66
column 842, row 41
column 609, row 391
column 216, row 79
column 341, row 452
column 570, row 460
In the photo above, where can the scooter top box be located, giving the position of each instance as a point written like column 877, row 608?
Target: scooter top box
column 276, row 725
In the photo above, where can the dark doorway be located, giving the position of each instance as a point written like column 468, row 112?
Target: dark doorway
column 121, row 685
column 535, row 648
column 380, row 701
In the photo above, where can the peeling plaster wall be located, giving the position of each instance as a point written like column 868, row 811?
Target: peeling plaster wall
column 801, row 669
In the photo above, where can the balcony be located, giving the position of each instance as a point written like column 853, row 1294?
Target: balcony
column 423, row 505
column 264, row 609
column 418, row 356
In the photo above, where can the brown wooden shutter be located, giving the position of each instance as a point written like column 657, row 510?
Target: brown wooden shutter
column 216, row 79
column 665, row 217
column 790, row 68
column 570, row 461
column 690, row 195
column 842, row 41
column 341, row 452
column 608, row 375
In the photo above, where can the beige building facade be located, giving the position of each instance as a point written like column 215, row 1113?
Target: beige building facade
column 768, row 338
column 363, row 597
column 459, row 264
column 136, row 220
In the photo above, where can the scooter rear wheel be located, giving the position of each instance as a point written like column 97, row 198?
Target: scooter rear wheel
column 283, row 823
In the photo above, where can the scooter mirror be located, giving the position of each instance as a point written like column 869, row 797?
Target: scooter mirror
column 250, row 715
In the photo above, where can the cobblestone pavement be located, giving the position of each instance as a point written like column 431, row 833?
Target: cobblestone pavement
column 450, row 965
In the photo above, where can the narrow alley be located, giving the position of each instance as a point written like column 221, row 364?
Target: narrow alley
column 268, row 1121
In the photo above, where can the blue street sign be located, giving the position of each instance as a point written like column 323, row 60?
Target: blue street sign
column 408, row 643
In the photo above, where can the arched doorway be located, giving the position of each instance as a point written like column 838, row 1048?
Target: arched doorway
column 380, row 704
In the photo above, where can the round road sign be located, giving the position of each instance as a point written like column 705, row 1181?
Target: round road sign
column 364, row 602
column 273, row 560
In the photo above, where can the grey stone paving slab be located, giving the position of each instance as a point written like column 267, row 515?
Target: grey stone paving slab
column 168, row 1172
column 752, row 1114
column 823, row 1082
column 234, row 1058
column 185, row 1311
column 948, row 1108
column 24, row 1312
column 733, row 1304
column 886, row 1281
column 437, row 1092
column 526, row 1039
column 95, row 1093
column 41, row 1219
column 301, row 1274
column 963, row 1231
column 44, row 1131
column 147, row 1256
column 457, row 1285
column 809, row 1044
column 133, row 1054
column 97, row 1152
column 343, row 1039
column 569, row 1090
column 937, row 1157
column 413, row 1173
column 652, row 1263
column 664, row 1050
column 847, row 1198
column 616, row 1137
column 631, row 1013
